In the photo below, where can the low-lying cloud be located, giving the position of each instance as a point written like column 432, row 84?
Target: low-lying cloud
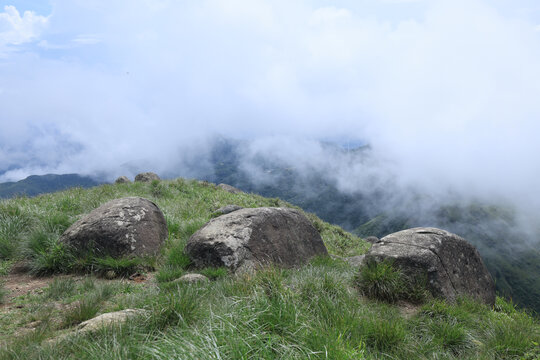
column 445, row 92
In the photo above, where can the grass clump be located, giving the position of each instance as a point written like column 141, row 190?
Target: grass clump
column 386, row 282
column 380, row 280
column 214, row 273
column 60, row 288
column 88, row 306
column 121, row 267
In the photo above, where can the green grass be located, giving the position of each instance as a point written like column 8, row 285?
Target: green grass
column 313, row 312
column 386, row 282
column 60, row 288
column 3, row 293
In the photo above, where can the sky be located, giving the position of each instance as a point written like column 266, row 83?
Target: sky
column 446, row 92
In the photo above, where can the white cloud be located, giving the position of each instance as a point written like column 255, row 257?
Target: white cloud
column 449, row 95
column 17, row 30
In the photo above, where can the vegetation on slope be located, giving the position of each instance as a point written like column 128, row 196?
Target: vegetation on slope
column 40, row 184
column 315, row 312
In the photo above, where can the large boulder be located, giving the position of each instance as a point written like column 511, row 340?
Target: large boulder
column 121, row 227
column 146, row 177
column 247, row 238
column 452, row 265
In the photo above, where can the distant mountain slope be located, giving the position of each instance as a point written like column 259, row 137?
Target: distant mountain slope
column 40, row 184
column 511, row 255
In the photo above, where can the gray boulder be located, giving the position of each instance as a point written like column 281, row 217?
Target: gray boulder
column 230, row 189
column 227, row 209
column 128, row 226
column 452, row 265
column 248, row 238
column 122, row 180
column 146, row 177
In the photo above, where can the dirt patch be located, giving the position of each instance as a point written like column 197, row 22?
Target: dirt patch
column 408, row 310
column 21, row 284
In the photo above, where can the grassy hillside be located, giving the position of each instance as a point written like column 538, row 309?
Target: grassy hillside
column 35, row 185
column 314, row 312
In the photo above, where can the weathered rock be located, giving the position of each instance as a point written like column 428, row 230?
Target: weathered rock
column 452, row 265
column 227, row 209
column 247, row 238
column 109, row 319
column 230, row 189
column 128, row 226
column 355, row 260
column 371, row 239
column 122, row 180
column 146, row 177
column 191, row 278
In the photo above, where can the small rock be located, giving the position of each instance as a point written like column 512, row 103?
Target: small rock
column 146, row 177
column 108, row 319
column 191, row 278
column 230, row 189
column 122, row 180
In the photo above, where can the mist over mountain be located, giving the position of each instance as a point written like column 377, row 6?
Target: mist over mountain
column 506, row 237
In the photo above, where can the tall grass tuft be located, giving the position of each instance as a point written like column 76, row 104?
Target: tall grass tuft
column 60, row 289
column 380, row 280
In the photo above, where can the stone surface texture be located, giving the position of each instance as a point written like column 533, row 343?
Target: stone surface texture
column 191, row 278
column 248, row 238
column 120, row 227
column 453, row 266
column 108, row 319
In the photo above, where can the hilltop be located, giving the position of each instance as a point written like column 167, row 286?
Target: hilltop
column 312, row 312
